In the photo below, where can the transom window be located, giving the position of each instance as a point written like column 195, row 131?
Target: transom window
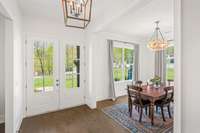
column 123, row 63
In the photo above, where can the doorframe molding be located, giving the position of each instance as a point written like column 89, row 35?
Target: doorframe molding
column 8, row 65
column 61, row 42
column 178, row 65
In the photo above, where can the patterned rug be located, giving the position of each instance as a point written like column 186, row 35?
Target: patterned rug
column 120, row 114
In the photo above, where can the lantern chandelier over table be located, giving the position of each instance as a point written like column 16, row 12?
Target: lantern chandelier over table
column 77, row 13
column 157, row 42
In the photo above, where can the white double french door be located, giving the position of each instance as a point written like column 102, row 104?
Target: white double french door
column 54, row 75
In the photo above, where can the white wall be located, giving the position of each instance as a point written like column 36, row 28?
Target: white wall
column 51, row 30
column 2, row 75
column 100, row 63
column 190, row 66
column 15, row 100
column 147, row 62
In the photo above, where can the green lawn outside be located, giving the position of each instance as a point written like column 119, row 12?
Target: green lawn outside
column 48, row 82
column 72, row 83
column 170, row 74
column 118, row 74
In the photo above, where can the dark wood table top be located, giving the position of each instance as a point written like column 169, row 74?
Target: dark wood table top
column 154, row 92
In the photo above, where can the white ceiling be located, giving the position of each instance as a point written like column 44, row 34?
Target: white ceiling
column 140, row 23
column 52, row 9
column 47, row 9
column 129, row 17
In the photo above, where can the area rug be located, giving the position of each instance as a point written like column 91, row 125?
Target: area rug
column 120, row 114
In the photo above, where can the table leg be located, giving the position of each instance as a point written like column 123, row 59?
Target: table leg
column 152, row 113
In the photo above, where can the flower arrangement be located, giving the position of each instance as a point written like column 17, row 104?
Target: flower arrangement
column 156, row 80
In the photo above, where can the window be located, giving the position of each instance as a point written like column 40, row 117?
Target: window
column 170, row 63
column 72, row 66
column 123, row 63
column 43, row 66
column 128, row 63
column 117, row 64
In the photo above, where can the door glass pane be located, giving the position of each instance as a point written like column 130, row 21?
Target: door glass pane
column 43, row 66
column 117, row 63
column 72, row 66
column 128, row 63
column 128, row 56
column 76, row 66
column 170, row 63
column 69, row 60
column 76, row 81
column 128, row 72
column 117, row 74
column 117, row 56
column 69, row 81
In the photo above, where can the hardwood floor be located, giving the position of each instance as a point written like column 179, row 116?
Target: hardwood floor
column 2, row 128
column 75, row 120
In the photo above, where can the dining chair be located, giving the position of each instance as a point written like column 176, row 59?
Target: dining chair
column 165, row 102
column 138, row 83
column 134, row 98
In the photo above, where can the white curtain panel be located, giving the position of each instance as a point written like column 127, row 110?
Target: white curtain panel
column 160, row 65
column 136, row 63
column 111, row 74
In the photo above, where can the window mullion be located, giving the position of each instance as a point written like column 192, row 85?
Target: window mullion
column 73, row 67
column 123, row 78
column 43, row 82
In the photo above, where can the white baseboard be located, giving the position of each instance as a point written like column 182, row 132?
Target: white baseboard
column 2, row 119
column 103, row 99
column 90, row 103
column 110, row 98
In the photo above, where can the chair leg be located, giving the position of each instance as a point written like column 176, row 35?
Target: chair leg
column 146, row 112
column 163, row 116
column 141, row 111
column 130, row 110
column 168, row 108
column 156, row 109
column 130, row 107
column 149, row 111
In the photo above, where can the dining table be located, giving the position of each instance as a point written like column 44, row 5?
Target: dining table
column 152, row 93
